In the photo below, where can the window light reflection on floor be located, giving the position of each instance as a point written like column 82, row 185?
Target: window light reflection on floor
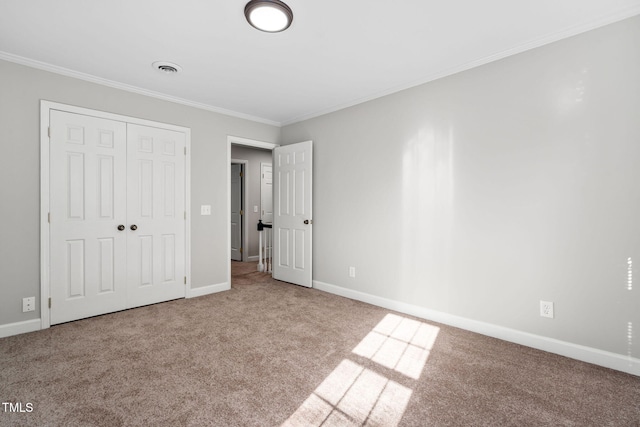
column 400, row 344
column 353, row 395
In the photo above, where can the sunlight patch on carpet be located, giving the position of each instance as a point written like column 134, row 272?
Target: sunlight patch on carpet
column 353, row 395
column 400, row 344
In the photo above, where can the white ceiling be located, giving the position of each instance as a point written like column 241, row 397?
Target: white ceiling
column 336, row 53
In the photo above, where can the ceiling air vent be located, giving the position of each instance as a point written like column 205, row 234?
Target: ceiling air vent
column 167, row 67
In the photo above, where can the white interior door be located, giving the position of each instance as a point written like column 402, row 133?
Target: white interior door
column 292, row 216
column 236, row 212
column 87, row 204
column 155, row 215
column 117, row 215
column 266, row 193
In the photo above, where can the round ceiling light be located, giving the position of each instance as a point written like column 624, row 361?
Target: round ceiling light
column 271, row 16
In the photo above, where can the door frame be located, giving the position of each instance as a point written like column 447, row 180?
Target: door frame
column 245, row 203
column 45, row 109
column 237, row 140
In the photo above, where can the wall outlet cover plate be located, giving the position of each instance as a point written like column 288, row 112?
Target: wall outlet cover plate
column 546, row 309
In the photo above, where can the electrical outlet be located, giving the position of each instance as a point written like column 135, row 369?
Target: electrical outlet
column 546, row 309
column 255, row 209
column 352, row 272
column 28, row 304
column 205, row 210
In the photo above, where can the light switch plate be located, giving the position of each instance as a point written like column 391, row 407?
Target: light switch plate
column 255, row 209
column 205, row 210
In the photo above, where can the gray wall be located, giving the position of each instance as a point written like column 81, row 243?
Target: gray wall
column 482, row 193
column 21, row 89
column 254, row 156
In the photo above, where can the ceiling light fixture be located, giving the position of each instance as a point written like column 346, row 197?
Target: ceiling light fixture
column 271, row 16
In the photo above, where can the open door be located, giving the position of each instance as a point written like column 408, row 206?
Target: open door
column 292, row 213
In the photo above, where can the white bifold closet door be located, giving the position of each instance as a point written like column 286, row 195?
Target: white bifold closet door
column 156, row 206
column 117, row 226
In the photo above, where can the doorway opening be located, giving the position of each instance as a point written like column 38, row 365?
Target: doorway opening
column 247, row 195
column 292, row 195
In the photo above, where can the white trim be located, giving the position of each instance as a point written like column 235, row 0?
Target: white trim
column 237, row 140
column 129, row 88
column 187, row 207
column 207, row 290
column 45, row 317
column 19, row 328
column 51, row 105
column 551, row 38
column 572, row 31
column 607, row 359
column 253, row 258
column 45, row 108
column 245, row 203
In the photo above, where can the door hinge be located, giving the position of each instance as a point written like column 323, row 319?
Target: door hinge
column 185, row 214
column 241, row 212
column 49, row 302
column 185, row 151
column 49, row 132
column 185, row 280
column 241, row 174
column 240, row 250
column 49, row 217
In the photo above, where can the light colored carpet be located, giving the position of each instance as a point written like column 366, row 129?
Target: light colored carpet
column 268, row 353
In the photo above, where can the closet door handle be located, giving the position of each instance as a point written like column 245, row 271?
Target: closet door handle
column 121, row 227
column 133, row 227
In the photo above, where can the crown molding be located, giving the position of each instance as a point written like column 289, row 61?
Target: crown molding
column 129, row 88
column 550, row 38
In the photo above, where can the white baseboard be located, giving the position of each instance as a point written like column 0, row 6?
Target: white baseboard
column 607, row 359
column 20, row 327
column 206, row 290
column 36, row 324
column 253, row 258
